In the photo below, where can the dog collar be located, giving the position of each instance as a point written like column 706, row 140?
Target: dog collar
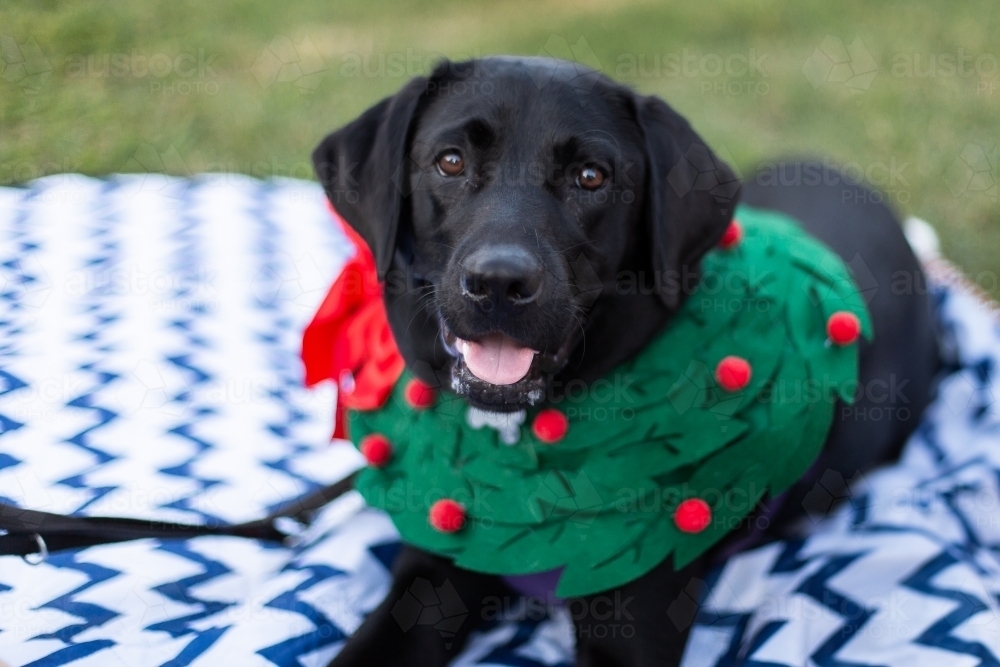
column 664, row 456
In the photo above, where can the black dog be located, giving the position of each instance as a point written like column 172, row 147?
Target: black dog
column 502, row 198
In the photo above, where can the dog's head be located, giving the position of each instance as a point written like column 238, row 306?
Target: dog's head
column 521, row 210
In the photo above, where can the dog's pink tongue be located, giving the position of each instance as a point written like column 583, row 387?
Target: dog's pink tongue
column 497, row 359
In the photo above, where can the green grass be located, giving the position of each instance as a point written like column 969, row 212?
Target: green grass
column 227, row 113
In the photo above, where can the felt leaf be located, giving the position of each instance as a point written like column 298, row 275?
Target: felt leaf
column 630, row 559
column 814, row 429
column 513, row 550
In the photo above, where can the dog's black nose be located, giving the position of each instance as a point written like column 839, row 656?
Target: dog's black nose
column 498, row 275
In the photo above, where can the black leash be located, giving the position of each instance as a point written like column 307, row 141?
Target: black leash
column 33, row 535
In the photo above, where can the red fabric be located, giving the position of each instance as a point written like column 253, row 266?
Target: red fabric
column 419, row 395
column 732, row 236
column 350, row 335
column 733, row 373
column 550, row 426
column 447, row 516
column 376, row 449
column 693, row 515
column 843, row 327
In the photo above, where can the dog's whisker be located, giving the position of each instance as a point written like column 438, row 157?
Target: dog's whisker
column 423, row 305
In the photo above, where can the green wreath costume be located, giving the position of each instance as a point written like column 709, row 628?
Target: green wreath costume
column 600, row 502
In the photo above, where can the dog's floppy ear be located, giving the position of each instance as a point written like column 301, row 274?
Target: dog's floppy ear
column 690, row 195
column 362, row 167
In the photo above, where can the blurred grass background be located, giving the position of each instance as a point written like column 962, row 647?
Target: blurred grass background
column 908, row 92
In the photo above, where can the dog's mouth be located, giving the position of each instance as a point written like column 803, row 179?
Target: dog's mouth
column 497, row 372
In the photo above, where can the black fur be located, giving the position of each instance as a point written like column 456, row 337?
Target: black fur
column 515, row 245
column 667, row 200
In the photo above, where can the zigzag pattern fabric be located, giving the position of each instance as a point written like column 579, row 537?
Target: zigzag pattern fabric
column 149, row 334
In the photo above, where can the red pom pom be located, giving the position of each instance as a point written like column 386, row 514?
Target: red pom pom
column 693, row 515
column 447, row 516
column 733, row 373
column 376, row 449
column 550, row 426
column 419, row 395
column 843, row 327
column 732, row 236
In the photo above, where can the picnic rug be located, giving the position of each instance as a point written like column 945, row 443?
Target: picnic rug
column 149, row 337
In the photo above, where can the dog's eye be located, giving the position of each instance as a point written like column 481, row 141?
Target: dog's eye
column 590, row 178
column 450, row 163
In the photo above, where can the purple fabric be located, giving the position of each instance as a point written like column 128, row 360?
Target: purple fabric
column 770, row 509
column 538, row 585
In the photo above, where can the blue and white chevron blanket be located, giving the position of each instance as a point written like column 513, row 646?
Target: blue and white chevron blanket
column 149, row 330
